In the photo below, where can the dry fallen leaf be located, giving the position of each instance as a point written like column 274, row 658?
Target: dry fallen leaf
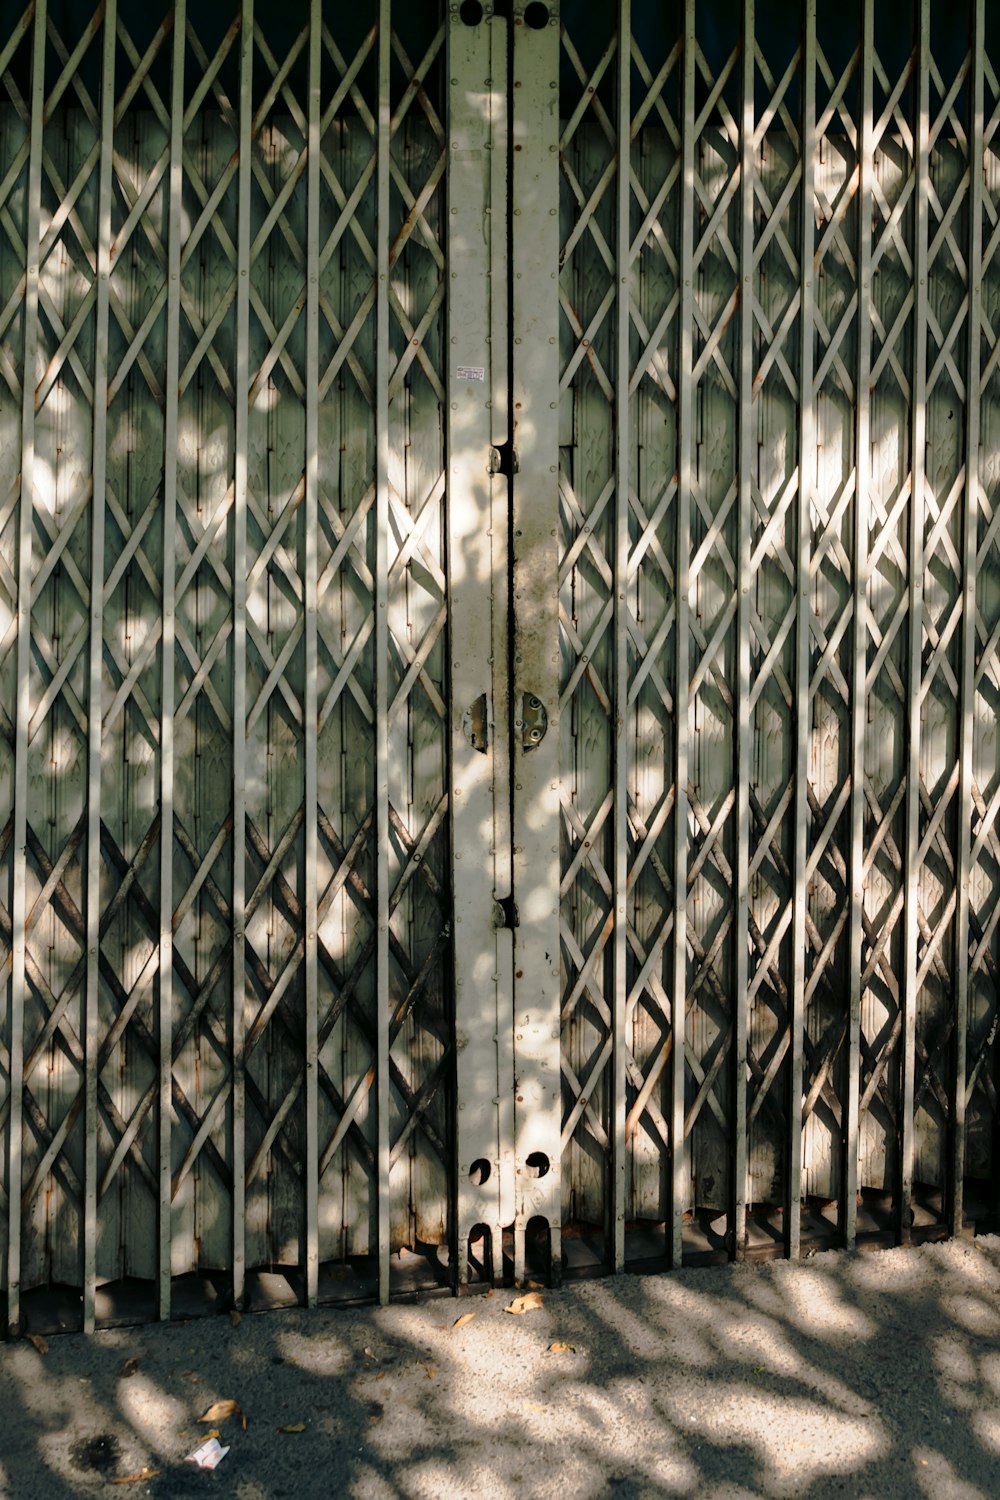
column 380, row 1375
column 211, row 1433
column 533, row 1406
column 465, row 1318
column 525, row 1304
column 292, row 1427
column 533, row 1286
column 220, row 1411
column 430, row 1370
column 130, row 1367
column 234, row 1317
column 490, row 1292
column 140, row 1474
column 40, row 1344
column 561, row 1348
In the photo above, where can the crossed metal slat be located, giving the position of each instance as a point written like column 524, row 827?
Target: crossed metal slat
column 981, row 1093
column 835, row 192
column 939, row 621
column 414, row 520
column 714, row 586
column 829, row 639
column 649, row 253
column 201, row 628
column 776, row 303
column 945, row 491
column 587, row 167
column 54, row 1115
column 891, row 313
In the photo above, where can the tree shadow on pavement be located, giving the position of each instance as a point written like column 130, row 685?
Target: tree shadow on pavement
column 866, row 1375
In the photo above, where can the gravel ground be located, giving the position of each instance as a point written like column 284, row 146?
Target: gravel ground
column 874, row 1375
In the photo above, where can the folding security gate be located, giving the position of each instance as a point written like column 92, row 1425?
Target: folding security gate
column 498, row 639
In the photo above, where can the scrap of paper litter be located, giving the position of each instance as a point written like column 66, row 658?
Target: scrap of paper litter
column 208, row 1455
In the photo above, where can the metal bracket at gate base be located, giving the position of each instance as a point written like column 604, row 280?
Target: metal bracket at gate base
column 533, row 723
column 474, row 725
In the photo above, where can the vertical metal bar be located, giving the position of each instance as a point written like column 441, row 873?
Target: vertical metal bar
column 535, row 562
column 679, row 1172
column 500, row 588
column 967, row 698
column 95, row 714
column 807, row 471
column 621, row 724
column 859, row 672
column 166, row 963
column 310, row 707
column 480, row 777
column 499, row 229
column 382, row 373
column 915, row 611
column 23, row 706
column 741, row 926
column 240, row 652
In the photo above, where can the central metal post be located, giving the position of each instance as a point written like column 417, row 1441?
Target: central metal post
column 535, row 606
column 477, row 509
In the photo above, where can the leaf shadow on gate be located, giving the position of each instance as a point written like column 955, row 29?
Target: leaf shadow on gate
column 860, row 1375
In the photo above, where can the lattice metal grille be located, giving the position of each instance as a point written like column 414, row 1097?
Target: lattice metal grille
column 774, row 167
column 831, row 470
column 983, row 702
column 709, row 653
column 889, row 490
column 727, row 977
column 937, row 689
column 224, row 717
column 587, row 157
column 817, row 268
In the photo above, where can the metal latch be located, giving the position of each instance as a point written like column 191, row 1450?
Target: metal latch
column 474, row 725
column 505, row 913
column 502, row 459
column 534, row 721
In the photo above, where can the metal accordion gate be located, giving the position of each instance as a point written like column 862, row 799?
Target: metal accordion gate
column 499, row 624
